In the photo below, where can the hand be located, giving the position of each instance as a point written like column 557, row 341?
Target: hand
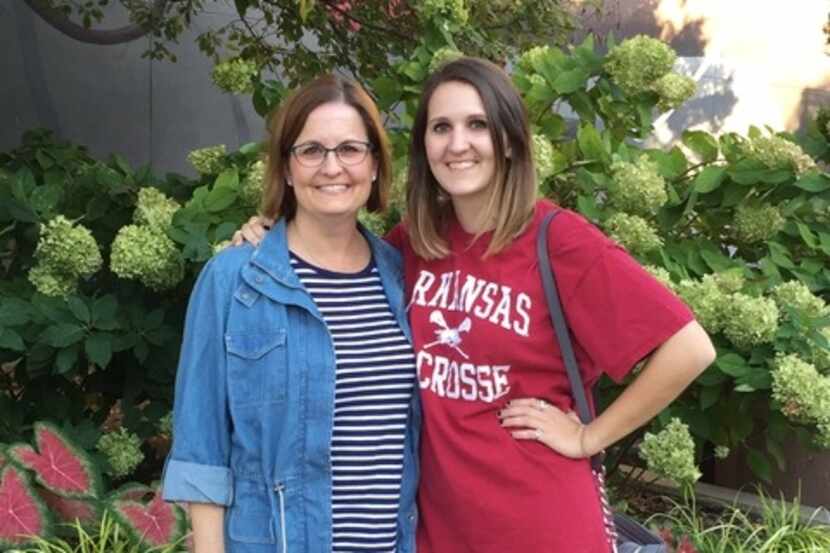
column 253, row 231
column 535, row 419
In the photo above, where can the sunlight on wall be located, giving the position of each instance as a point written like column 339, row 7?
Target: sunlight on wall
column 770, row 55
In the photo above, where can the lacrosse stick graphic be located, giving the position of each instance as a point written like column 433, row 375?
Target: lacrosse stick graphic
column 447, row 335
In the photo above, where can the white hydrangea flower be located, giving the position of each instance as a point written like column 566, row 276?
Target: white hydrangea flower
column 208, row 161
column 147, row 255
column 637, row 63
column 543, row 159
column 65, row 252
column 444, row 56
column 750, row 321
column 235, row 75
column 674, row 90
column 633, row 232
column 795, row 294
column 638, row 187
column 154, row 209
column 670, row 453
column 755, row 224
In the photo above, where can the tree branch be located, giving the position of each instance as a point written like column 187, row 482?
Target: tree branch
column 108, row 37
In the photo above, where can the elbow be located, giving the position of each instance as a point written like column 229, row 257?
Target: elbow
column 704, row 351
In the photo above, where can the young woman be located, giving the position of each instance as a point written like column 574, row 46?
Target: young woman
column 295, row 419
column 504, row 460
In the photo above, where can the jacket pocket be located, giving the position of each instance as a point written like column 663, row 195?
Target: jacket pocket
column 250, row 519
column 257, row 366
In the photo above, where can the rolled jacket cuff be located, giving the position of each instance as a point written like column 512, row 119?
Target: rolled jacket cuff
column 196, row 483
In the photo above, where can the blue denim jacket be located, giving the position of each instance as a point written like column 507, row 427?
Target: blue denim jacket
column 254, row 402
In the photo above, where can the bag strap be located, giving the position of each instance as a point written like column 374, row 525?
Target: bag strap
column 560, row 325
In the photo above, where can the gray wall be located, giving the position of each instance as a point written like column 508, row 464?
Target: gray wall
column 110, row 99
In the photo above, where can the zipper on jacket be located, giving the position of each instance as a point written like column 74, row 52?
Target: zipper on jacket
column 279, row 487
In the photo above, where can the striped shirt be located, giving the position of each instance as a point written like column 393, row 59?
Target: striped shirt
column 374, row 383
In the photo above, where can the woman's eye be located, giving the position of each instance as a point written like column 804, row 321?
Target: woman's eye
column 478, row 124
column 440, row 127
column 311, row 150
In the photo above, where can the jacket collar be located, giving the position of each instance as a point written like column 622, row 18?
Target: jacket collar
column 272, row 255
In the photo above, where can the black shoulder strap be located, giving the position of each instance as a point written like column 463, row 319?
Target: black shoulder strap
column 557, row 317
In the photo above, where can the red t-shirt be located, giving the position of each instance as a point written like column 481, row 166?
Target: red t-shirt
column 482, row 336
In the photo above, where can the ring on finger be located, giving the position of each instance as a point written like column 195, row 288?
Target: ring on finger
column 542, row 404
column 538, row 434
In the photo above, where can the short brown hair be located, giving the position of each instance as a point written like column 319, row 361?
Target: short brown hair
column 287, row 123
column 513, row 195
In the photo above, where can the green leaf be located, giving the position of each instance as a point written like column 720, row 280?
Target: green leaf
column 716, row 260
column 813, row 182
column 780, row 255
column 732, row 364
column 220, row 198
column 758, row 378
column 250, row 148
column 9, row 339
column 568, row 82
column 78, row 308
column 581, row 103
column 228, row 178
column 709, row 179
column 388, row 91
column 777, row 452
column 703, row 144
column 44, row 160
column 709, row 396
column 104, row 308
column 14, row 312
column 759, row 464
column 98, row 348
column 44, row 199
column 122, row 164
column 807, row 235
column 748, row 171
column 588, row 207
column 591, row 144
column 66, row 358
column 153, row 320
column 23, row 185
column 671, row 164
column 711, row 377
column 305, row 8
column 224, row 231
column 62, row 335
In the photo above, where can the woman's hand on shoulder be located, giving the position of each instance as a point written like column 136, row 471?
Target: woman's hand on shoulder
column 536, row 419
column 253, row 231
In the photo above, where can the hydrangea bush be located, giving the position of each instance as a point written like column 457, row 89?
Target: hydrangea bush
column 736, row 225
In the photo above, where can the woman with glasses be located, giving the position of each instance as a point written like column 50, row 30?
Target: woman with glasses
column 295, row 417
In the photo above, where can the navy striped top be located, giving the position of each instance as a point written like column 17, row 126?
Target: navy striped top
column 374, row 383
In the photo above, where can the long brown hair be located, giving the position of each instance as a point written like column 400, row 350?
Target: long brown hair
column 513, row 193
column 286, row 125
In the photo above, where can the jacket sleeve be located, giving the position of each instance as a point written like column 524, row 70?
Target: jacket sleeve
column 198, row 466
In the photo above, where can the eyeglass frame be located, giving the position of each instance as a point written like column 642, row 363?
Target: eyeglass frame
column 370, row 148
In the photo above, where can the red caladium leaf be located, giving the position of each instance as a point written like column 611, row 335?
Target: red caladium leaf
column 58, row 464
column 132, row 491
column 156, row 524
column 22, row 515
column 70, row 510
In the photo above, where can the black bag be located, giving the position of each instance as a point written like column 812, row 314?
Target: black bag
column 631, row 536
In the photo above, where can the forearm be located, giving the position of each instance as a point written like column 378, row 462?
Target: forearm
column 670, row 369
column 208, row 527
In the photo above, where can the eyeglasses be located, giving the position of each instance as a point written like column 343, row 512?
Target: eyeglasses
column 313, row 154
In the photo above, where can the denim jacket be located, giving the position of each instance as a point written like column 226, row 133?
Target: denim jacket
column 254, row 402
